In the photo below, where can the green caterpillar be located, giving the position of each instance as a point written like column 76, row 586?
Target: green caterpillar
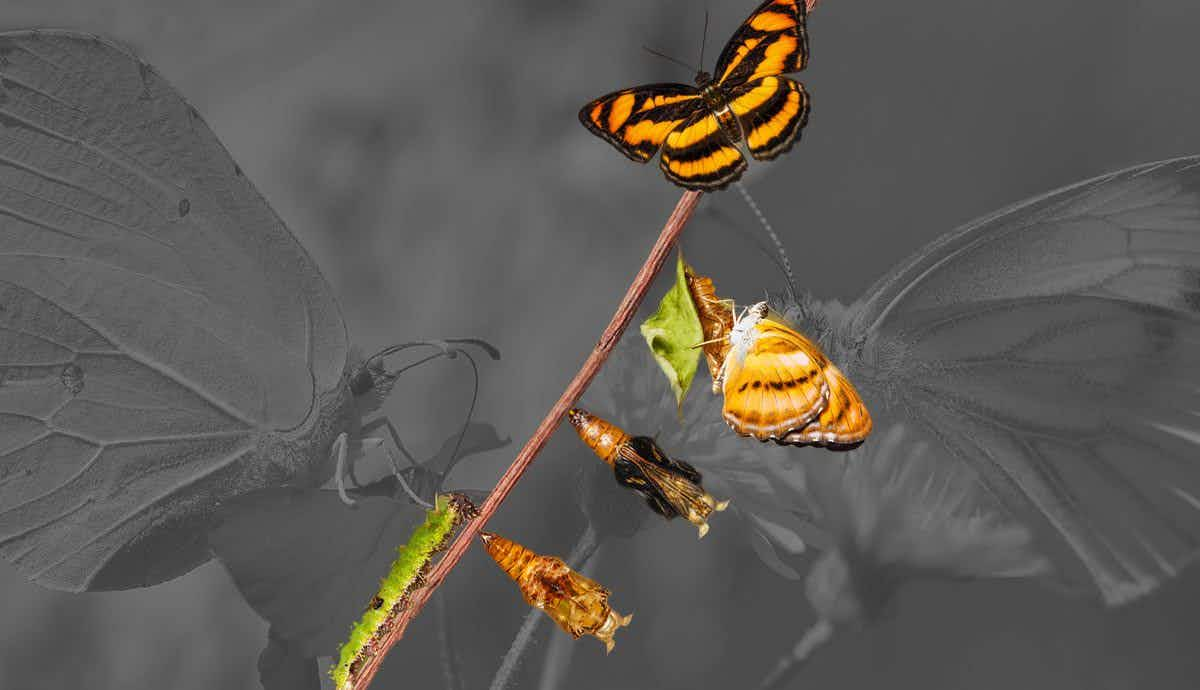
column 406, row 575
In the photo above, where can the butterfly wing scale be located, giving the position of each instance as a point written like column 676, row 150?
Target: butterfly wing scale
column 1054, row 347
column 158, row 323
column 772, row 41
column 637, row 121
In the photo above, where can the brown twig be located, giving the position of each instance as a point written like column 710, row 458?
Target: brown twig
column 616, row 327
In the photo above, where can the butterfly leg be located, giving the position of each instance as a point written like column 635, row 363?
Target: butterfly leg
column 373, row 443
column 386, row 423
column 340, row 450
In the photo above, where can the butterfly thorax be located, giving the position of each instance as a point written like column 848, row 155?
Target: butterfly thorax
column 717, row 102
column 742, row 335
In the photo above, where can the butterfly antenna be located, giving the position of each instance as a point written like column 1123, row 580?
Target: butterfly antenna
column 762, row 220
column 704, row 37
column 681, row 63
column 470, row 413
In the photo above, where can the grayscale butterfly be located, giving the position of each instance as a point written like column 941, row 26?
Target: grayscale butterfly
column 1054, row 348
column 165, row 342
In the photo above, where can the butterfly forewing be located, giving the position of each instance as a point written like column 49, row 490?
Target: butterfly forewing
column 772, row 41
column 637, row 121
column 165, row 342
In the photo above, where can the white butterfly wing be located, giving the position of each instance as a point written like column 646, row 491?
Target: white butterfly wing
column 1055, row 348
column 160, row 328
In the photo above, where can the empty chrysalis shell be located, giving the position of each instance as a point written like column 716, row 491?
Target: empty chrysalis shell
column 672, row 487
column 716, row 319
column 579, row 605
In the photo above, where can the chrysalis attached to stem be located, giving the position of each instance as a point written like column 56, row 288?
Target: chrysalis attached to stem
column 579, row 605
column 406, row 575
column 672, row 487
column 716, row 319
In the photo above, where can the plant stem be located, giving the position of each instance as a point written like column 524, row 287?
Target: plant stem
column 786, row 668
column 616, row 327
column 446, row 641
column 584, row 549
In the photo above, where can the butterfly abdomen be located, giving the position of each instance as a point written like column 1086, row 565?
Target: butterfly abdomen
column 603, row 437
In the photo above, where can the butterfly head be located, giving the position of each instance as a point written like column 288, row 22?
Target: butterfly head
column 703, row 79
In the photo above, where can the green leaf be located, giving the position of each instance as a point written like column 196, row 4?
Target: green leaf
column 673, row 332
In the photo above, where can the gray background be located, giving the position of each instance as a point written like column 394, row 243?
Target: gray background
column 429, row 156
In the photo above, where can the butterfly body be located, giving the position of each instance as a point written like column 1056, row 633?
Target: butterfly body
column 698, row 128
column 779, row 386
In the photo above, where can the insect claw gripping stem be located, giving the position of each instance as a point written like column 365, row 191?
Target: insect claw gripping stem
column 621, row 319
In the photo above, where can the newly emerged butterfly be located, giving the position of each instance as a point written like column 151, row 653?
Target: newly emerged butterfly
column 779, row 386
column 698, row 128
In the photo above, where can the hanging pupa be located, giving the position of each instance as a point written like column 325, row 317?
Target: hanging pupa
column 672, row 487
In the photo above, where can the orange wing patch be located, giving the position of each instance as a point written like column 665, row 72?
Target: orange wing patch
column 780, row 387
column 699, row 155
column 637, row 121
column 772, row 41
column 772, row 111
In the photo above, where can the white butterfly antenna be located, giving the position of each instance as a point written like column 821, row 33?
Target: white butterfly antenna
column 785, row 263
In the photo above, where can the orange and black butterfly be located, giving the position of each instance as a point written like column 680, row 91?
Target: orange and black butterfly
column 698, row 128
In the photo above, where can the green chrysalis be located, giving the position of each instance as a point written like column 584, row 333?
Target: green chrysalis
column 405, row 576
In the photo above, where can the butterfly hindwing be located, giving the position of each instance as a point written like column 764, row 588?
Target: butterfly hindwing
column 772, row 41
column 1051, row 348
column 843, row 422
column 637, row 121
column 771, row 111
column 699, row 155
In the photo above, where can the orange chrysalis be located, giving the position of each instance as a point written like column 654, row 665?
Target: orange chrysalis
column 579, row 605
